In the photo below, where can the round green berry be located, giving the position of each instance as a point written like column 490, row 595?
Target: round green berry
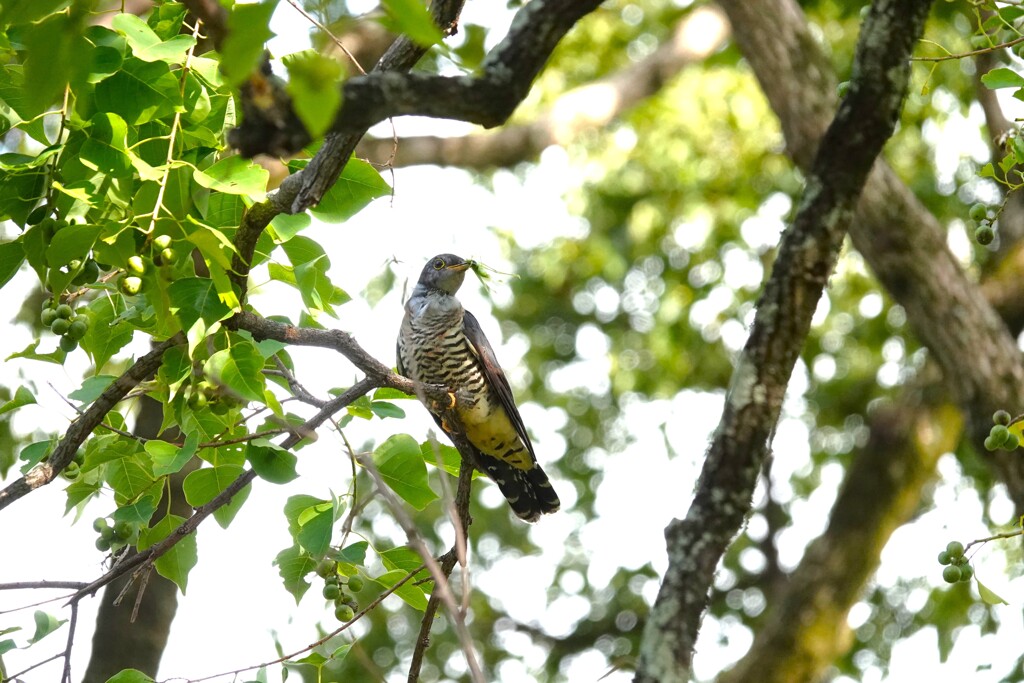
column 346, row 613
column 984, row 235
column 978, row 212
column 999, row 434
column 162, row 241
column 1001, row 417
column 966, row 572
column 90, row 271
column 123, row 530
column 71, row 471
column 331, row 591
column 47, row 316
column 944, row 558
column 951, row 574
column 167, row 257
column 67, row 344
column 326, row 567
column 78, row 329
column 136, row 265
column 102, row 544
column 65, row 311
column 1011, row 443
column 955, row 549
column 60, row 327
column 99, row 524
column 131, row 285
column 355, row 584
column 107, row 532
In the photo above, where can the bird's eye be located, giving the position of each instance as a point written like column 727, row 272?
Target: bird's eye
column 438, row 264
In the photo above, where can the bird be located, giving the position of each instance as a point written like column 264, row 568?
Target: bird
column 441, row 343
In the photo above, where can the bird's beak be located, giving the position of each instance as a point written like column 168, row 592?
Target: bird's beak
column 460, row 267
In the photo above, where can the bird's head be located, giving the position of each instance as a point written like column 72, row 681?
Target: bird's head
column 444, row 272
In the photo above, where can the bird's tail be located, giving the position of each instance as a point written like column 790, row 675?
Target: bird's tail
column 529, row 492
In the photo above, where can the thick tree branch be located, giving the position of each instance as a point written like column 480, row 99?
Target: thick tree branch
column 80, row 429
column 698, row 35
column 807, row 254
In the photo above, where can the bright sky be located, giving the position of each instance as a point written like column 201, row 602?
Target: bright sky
column 223, row 625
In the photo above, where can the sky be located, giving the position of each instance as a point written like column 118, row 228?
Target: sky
column 243, row 615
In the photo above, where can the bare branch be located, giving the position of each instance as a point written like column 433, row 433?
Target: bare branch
column 807, row 254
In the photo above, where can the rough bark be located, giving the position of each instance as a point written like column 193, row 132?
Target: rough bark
column 807, row 254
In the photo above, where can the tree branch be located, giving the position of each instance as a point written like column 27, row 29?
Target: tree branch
column 80, row 429
column 807, row 254
column 696, row 36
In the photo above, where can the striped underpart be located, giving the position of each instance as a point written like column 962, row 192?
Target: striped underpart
column 433, row 349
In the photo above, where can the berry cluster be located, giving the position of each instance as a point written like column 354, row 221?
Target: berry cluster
column 957, row 567
column 1000, row 436
column 340, row 589
column 162, row 255
column 121, row 534
column 63, row 322
column 985, row 233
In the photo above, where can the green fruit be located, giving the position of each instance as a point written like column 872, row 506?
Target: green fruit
column 107, row 532
column 162, row 241
column 355, row 584
column 65, row 311
column 346, row 613
column 999, row 434
column 991, row 444
column 130, row 285
column 197, row 400
column 102, row 544
column 78, row 329
column 955, row 549
column 67, row 344
column 1011, row 443
column 326, row 567
column 978, row 212
column 984, row 235
column 220, row 407
column 60, row 326
column 951, row 574
column 167, row 257
column 843, row 89
column 1001, row 417
column 966, row 572
column 123, row 530
column 90, row 271
column 47, row 317
column 99, row 524
column 71, row 471
column 944, row 558
column 331, row 591
column 136, row 265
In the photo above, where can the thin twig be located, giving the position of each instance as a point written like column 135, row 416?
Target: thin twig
column 71, row 641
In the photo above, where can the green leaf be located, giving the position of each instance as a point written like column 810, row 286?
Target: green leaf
column 177, row 562
column 354, row 553
column 30, row 352
column 73, row 242
column 129, row 476
column 22, row 397
column 235, row 175
column 402, row 558
column 359, row 184
column 240, row 369
column 389, row 393
column 80, row 491
column 412, row 18
column 400, row 465
column 384, row 409
column 203, row 485
column 138, row 513
column 27, row 11
column 169, row 458
column 45, row 625
column 147, row 45
column 287, row 226
column 310, row 522
column 92, row 388
column 987, row 595
column 12, row 255
column 409, row 592
column 106, row 148
column 107, row 334
column 248, row 30
column 313, row 83
column 271, row 462
column 196, row 298
column 294, row 564
column 139, row 92
column 225, row 514
column 57, row 53
column 1002, row 78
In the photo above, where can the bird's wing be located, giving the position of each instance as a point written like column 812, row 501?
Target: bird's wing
column 495, row 375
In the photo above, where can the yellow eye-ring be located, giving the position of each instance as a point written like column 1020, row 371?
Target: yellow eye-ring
column 438, row 264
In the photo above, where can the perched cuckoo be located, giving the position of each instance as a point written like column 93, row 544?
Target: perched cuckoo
column 442, row 343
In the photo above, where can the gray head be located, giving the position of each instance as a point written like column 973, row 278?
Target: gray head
column 444, row 273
